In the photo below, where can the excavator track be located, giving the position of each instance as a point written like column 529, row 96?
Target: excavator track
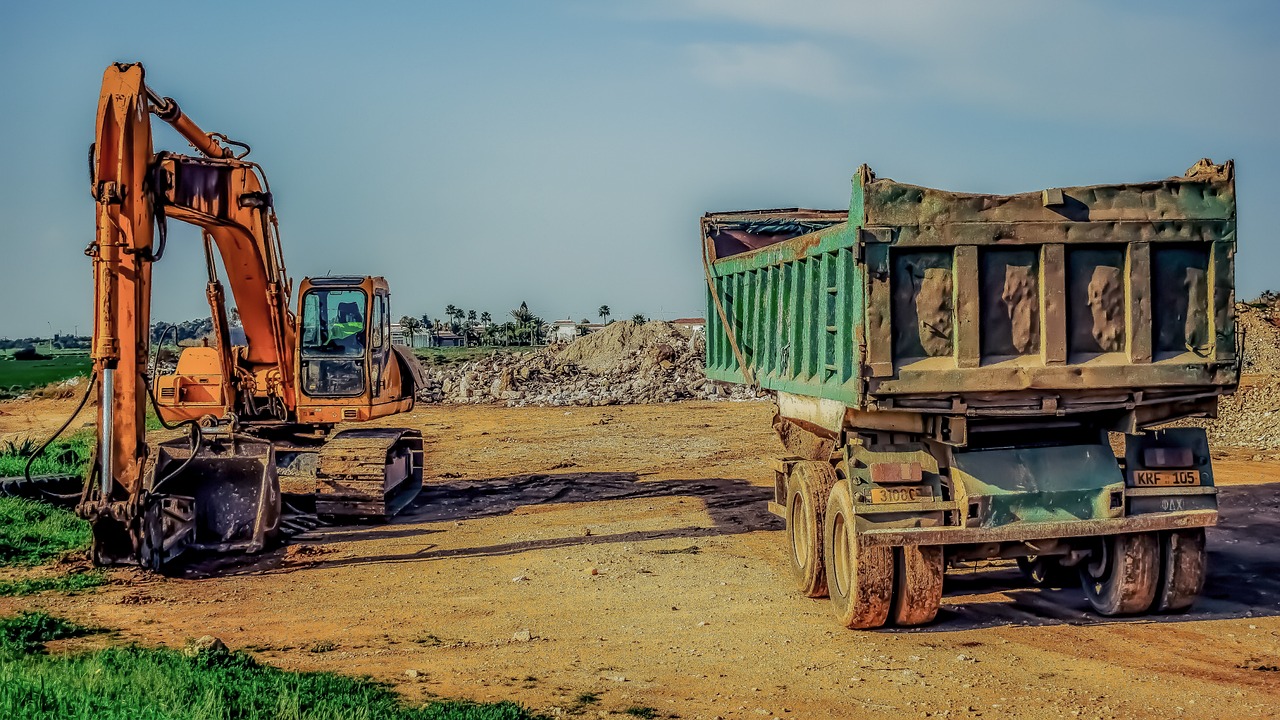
column 368, row 472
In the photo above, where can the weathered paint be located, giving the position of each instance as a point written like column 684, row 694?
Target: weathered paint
column 1038, row 303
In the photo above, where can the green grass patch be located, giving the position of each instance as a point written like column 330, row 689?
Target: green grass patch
column 456, row 355
column 32, row 532
column 19, row 375
column 65, row 456
column 27, row 633
column 70, row 584
column 134, row 683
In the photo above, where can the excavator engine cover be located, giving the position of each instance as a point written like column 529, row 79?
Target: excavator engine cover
column 224, row 499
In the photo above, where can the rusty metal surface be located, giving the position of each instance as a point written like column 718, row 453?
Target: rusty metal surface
column 1037, row 530
column 931, row 301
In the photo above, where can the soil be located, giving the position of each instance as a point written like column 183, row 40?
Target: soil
column 625, row 554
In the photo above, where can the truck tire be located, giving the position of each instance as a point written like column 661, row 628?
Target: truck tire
column 1047, row 571
column 807, row 488
column 1182, row 569
column 917, row 584
column 859, row 579
column 1122, row 579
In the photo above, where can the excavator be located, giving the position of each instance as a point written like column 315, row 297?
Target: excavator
column 252, row 413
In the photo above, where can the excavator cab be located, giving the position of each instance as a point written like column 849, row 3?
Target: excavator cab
column 347, row 367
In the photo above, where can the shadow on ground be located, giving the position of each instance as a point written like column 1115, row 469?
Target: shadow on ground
column 1244, row 567
column 735, row 506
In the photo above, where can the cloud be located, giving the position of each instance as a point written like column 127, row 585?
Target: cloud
column 799, row 67
column 1065, row 61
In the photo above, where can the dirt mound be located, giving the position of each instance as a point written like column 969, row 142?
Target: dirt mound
column 603, row 351
column 625, row 363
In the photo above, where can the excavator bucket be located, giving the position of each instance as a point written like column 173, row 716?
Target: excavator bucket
column 223, row 498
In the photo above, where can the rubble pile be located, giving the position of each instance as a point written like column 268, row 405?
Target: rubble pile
column 624, row 363
column 1251, row 417
column 1261, row 337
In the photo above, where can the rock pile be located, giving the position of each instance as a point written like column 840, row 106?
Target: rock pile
column 1251, row 417
column 624, row 363
column 1261, row 338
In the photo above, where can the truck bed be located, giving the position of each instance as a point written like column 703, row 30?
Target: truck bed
column 1058, row 301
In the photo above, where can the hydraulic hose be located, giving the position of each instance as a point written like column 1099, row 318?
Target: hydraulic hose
column 26, row 469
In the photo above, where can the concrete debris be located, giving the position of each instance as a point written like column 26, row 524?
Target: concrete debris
column 1251, row 417
column 625, row 363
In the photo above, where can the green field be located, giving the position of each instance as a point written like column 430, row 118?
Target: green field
column 19, row 375
column 134, row 683
column 455, row 355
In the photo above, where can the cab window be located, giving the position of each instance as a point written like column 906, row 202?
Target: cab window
column 334, row 336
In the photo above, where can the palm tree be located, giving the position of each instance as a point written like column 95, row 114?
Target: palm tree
column 639, row 319
column 485, row 317
column 604, row 312
column 455, row 316
column 522, row 316
column 410, row 325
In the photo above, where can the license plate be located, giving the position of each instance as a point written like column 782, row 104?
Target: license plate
column 1165, row 478
column 901, row 494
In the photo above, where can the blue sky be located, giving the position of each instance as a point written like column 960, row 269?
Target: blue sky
column 560, row 153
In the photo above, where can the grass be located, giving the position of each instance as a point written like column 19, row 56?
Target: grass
column 69, row 584
column 457, row 355
column 19, row 375
column 66, row 456
column 641, row 711
column 27, row 633
column 156, row 683
column 32, row 532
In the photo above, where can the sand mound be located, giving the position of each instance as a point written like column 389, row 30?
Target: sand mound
column 600, row 352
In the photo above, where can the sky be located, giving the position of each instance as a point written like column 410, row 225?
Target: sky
column 561, row 152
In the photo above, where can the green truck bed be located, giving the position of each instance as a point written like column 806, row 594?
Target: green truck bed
column 1059, row 301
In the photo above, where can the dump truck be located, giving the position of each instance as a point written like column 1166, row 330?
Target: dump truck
column 961, row 377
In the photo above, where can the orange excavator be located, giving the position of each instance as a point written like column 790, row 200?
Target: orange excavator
column 253, row 412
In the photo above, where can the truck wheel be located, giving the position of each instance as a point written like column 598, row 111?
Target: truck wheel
column 1182, row 569
column 1122, row 578
column 1047, row 571
column 807, row 488
column 860, row 579
column 917, row 584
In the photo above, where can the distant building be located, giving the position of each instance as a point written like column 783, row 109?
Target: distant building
column 421, row 337
column 697, row 325
column 567, row 330
column 446, row 338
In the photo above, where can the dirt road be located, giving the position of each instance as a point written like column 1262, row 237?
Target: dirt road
column 587, row 561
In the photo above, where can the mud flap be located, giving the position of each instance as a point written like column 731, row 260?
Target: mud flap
column 999, row 488
column 225, row 498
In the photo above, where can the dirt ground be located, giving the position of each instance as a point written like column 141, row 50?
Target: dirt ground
column 625, row 553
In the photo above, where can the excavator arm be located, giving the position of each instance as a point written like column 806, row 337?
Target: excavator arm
column 135, row 190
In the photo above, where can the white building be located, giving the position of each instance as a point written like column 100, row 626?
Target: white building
column 568, row 330
column 697, row 325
